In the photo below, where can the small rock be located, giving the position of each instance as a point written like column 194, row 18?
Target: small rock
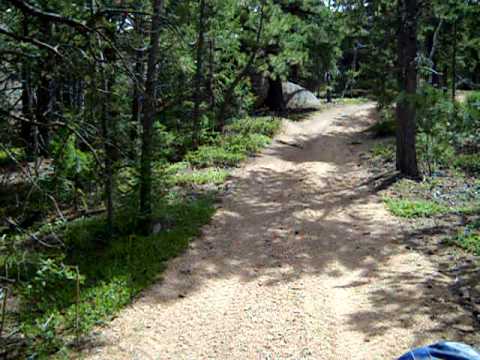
column 465, row 292
column 464, row 327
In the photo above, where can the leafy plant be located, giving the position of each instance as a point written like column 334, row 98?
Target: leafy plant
column 384, row 151
column 469, row 238
column 468, row 162
column 414, row 208
column 214, row 156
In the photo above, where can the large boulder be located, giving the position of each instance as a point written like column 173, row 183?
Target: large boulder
column 299, row 98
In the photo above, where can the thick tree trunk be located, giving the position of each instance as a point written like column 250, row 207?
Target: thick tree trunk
column 406, row 109
column 149, row 111
column 275, row 99
column 197, row 98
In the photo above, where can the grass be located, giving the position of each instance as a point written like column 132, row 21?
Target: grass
column 409, row 209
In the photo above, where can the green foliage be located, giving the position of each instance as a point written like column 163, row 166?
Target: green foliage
column 201, row 177
column 246, row 144
column 111, row 273
column 435, row 113
column 414, row 208
column 387, row 126
column 267, row 126
column 10, row 156
column 472, row 110
column 468, row 238
column 384, row 151
column 469, row 163
column 467, row 133
column 52, row 285
column 214, row 156
column 243, row 137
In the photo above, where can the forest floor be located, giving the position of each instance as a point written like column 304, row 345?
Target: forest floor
column 301, row 261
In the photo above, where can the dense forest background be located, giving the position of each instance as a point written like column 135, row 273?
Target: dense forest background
column 116, row 117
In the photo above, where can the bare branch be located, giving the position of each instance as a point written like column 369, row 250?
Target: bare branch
column 32, row 10
column 29, row 40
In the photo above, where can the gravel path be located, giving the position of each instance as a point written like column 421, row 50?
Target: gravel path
column 301, row 261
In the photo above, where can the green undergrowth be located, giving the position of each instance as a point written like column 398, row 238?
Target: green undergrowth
column 468, row 238
column 213, row 176
column 110, row 272
column 10, row 156
column 65, row 291
column 384, row 151
column 242, row 138
column 414, row 208
column 352, row 101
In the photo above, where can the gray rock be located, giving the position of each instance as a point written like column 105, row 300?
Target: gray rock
column 299, row 98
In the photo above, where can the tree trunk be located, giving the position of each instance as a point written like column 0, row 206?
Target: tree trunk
column 45, row 95
column 107, row 80
column 197, row 98
column 148, row 118
column 275, row 99
column 433, row 79
column 211, row 73
column 406, row 109
column 27, row 130
column 136, row 102
column 454, row 61
column 139, row 72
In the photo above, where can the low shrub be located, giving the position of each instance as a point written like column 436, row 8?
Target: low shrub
column 266, row 125
column 201, row 177
column 469, row 163
column 469, row 238
column 386, row 152
column 214, row 156
column 110, row 273
column 414, row 208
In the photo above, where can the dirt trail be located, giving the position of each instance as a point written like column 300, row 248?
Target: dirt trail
column 302, row 261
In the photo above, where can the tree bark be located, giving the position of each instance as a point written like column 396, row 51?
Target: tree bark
column 136, row 103
column 454, row 61
column 45, row 94
column 107, row 80
column 433, row 73
column 27, row 130
column 275, row 99
column 148, row 119
column 197, row 98
column 406, row 109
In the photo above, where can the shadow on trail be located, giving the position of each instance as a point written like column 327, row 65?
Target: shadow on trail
column 312, row 223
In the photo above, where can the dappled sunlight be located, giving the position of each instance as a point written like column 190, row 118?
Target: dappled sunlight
column 303, row 230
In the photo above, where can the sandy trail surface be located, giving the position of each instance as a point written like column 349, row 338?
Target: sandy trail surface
column 301, row 261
